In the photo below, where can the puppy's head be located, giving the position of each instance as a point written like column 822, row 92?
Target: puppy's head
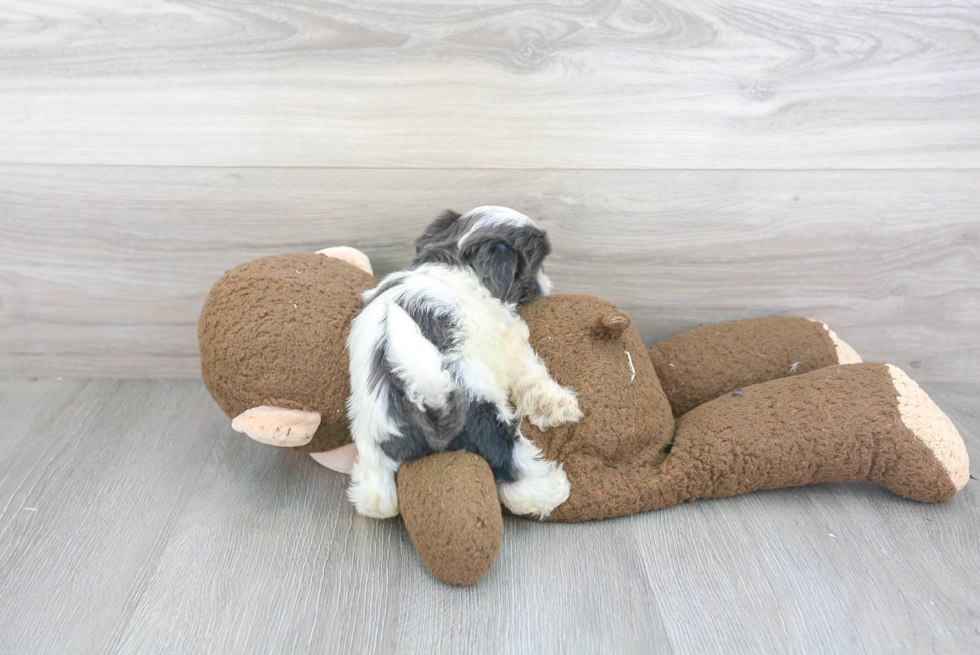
column 504, row 247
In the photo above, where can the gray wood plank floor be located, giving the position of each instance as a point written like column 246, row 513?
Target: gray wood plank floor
column 133, row 520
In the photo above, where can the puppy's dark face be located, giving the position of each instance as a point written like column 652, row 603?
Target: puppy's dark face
column 505, row 249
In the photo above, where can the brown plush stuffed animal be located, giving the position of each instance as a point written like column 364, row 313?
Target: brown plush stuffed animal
column 717, row 411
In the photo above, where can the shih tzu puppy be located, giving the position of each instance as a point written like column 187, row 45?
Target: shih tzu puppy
column 440, row 360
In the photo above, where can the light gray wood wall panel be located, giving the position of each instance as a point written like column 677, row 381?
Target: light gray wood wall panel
column 103, row 270
column 159, row 530
column 492, row 84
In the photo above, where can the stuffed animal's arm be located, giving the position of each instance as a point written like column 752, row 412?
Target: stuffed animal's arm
column 451, row 510
column 710, row 361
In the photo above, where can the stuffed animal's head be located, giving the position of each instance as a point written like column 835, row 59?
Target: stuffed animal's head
column 273, row 332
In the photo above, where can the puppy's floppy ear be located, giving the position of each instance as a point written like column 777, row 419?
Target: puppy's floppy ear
column 496, row 262
column 440, row 230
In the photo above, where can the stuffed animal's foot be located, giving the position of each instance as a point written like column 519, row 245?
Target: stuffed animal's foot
column 373, row 490
column 550, row 405
column 927, row 463
column 541, row 485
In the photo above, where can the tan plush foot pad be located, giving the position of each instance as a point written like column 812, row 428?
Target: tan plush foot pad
column 932, row 428
column 845, row 354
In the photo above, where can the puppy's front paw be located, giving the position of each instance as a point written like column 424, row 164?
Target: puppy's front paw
column 556, row 405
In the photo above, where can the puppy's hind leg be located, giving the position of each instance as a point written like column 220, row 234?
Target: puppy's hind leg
column 372, row 482
column 527, row 484
column 540, row 485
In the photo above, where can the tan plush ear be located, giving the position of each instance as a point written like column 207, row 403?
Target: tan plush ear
column 349, row 255
column 275, row 426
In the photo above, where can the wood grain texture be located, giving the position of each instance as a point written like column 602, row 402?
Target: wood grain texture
column 88, row 493
column 492, row 84
column 158, row 530
column 104, row 270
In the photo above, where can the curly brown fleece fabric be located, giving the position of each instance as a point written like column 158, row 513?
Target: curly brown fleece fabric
column 713, row 360
column 836, row 424
column 449, row 503
column 626, row 414
column 273, row 332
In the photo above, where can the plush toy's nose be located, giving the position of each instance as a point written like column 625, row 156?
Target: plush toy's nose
column 611, row 325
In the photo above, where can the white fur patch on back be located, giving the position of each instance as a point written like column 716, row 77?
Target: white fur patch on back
column 367, row 407
column 416, row 361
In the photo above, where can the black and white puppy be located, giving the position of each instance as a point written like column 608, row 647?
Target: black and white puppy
column 440, row 360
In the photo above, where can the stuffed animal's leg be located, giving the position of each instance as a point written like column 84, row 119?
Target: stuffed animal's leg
column 836, row 424
column 710, row 361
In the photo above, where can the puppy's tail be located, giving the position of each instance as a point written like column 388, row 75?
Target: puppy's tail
column 416, row 362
